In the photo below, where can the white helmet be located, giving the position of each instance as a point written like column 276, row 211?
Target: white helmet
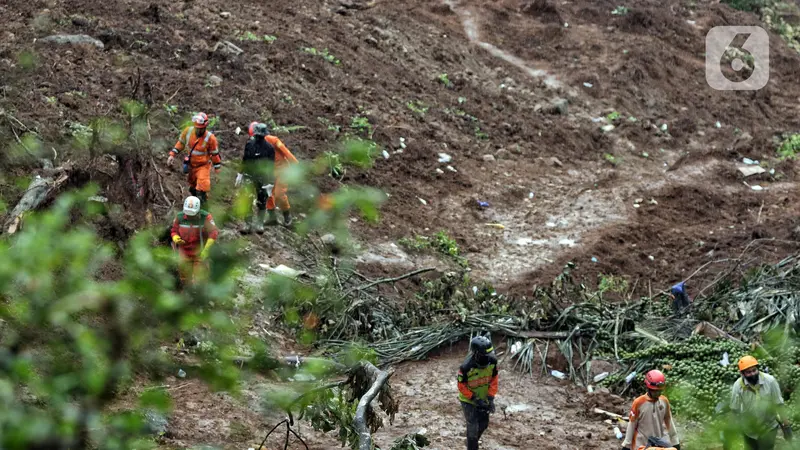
column 191, row 206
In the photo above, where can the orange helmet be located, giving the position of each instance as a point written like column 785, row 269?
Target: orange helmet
column 747, row 362
column 251, row 128
column 200, row 120
column 655, row 380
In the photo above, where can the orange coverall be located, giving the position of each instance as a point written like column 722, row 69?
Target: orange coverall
column 195, row 231
column 203, row 151
column 283, row 157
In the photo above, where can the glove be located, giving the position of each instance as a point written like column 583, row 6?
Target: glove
column 177, row 240
column 482, row 404
column 204, row 253
column 491, row 406
column 239, row 179
column 171, row 158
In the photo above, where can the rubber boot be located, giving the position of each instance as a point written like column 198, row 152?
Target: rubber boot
column 259, row 222
column 287, row 219
column 248, row 224
column 203, row 196
column 271, row 218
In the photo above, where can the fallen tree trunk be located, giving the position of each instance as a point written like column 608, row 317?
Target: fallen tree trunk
column 38, row 191
column 379, row 379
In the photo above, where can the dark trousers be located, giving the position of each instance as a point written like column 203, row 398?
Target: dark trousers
column 477, row 422
column 261, row 193
column 764, row 442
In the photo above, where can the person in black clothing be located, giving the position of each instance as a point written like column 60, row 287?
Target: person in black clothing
column 258, row 165
column 477, row 387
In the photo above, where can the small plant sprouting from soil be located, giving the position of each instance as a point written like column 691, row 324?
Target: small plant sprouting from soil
column 613, row 116
column 418, row 107
column 790, row 147
column 252, row 37
column 324, row 54
column 480, row 134
column 620, row 11
column 611, row 159
column 440, row 242
column 361, row 124
column 445, row 80
column 331, row 126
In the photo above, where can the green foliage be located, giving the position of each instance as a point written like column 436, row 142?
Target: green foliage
column 789, row 148
column 440, row 242
column 611, row 158
column 335, row 164
column 612, row 283
column 250, row 36
column 27, row 60
column 330, row 125
column 361, row 124
column 444, row 80
column 72, row 339
column 614, row 115
column 620, row 11
column 480, row 134
column 324, row 54
column 745, row 5
column 418, row 107
column 412, row 441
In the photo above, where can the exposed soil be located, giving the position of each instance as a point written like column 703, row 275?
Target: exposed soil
column 650, row 200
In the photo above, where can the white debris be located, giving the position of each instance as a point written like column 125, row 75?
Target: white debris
column 238, row 130
column 558, row 374
column 422, row 200
column 718, row 125
column 475, row 290
column 286, row 271
column 651, row 258
column 600, row 377
column 757, row 188
column 751, row 170
column 749, row 161
column 530, row 195
column 630, row 377
column 636, row 205
column 550, row 224
column 445, row 158
column 588, row 85
column 225, row 15
column 607, row 128
column 489, row 158
column 451, row 169
column 385, row 154
column 725, row 362
column 439, row 171
column 567, row 242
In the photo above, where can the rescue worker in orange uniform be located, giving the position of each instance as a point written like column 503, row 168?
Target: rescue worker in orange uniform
column 283, row 157
column 477, row 387
column 651, row 416
column 203, row 151
column 193, row 232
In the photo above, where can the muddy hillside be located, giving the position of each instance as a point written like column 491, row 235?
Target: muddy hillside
column 534, row 132
column 498, row 102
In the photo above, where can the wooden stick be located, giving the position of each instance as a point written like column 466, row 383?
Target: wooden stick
column 360, row 420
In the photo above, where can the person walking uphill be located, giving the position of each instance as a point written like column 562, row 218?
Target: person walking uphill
column 194, row 232
column 650, row 419
column 477, row 386
column 757, row 402
column 203, row 151
column 282, row 157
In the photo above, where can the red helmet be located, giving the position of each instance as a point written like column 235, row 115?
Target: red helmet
column 200, row 120
column 251, row 127
column 655, row 380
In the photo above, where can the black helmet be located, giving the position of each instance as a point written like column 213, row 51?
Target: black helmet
column 481, row 347
column 260, row 129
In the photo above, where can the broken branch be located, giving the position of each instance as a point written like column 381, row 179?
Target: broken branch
column 360, row 421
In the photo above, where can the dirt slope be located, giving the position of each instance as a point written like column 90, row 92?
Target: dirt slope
column 564, row 189
column 647, row 64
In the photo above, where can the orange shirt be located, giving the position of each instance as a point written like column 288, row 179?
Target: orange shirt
column 202, row 149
